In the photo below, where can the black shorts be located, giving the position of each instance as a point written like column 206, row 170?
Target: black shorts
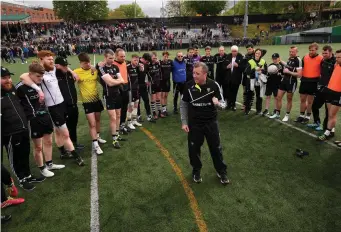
column 272, row 89
column 135, row 95
column 288, row 85
column 156, row 88
column 58, row 114
column 165, row 86
column 308, row 88
column 113, row 103
column 40, row 125
column 93, row 107
column 333, row 98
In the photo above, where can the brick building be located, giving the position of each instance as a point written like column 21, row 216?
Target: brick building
column 36, row 14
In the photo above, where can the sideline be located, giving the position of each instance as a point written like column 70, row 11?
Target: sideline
column 299, row 129
column 94, row 209
column 189, row 192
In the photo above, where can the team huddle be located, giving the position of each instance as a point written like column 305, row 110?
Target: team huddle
column 45, row 100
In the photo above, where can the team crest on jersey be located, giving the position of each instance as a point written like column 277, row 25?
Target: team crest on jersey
column 208, row 89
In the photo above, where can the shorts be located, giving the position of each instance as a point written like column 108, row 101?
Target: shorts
column 288, row 85
column 40, row 126
column 93, row 107
column 272, row 89
column 135, row 95
column 308, row 88
column 165, row 86
column 113, row 103
column 156, row 88
column 333, row 98
column 58, row 114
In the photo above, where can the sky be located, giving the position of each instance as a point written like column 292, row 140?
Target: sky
column 149, row 7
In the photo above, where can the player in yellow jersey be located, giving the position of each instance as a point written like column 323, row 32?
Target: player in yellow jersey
column 92, row 104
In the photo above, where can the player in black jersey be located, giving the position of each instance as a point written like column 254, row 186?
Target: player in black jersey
column 154, row 76
column 166, row 69
column 40, row 124
column 111, row 80
column 208, row 59
column 133, row 70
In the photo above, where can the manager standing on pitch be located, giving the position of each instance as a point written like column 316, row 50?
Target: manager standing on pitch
column 198, row 108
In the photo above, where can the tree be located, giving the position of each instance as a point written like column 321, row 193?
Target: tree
column 81, row 11
column 129, row 10
column 116, row 14
column 178, row 8
column 206, row 7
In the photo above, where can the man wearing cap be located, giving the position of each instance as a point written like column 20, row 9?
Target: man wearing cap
column 67, row 87
column 233, row 77
column 14, row 133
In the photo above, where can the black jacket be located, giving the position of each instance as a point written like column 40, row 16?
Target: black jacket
column 13, row 118
column 327, row 67
column 221, row 68
column 67, row 87
column 234, row 76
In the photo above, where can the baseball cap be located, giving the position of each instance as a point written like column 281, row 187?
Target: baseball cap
column 5, row 72
column 275, row 55
column 62, row 61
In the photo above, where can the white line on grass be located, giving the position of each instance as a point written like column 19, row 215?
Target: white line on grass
column 94, row 210
column 298, row 129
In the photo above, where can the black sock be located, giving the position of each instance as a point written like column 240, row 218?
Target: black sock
column 302, row 114
column 48, row 163
column 74, row 154
column 42, row 167
column 288, row 112
column 308, row 114
column 62, row 149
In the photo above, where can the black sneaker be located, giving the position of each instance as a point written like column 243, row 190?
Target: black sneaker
column 223, row 178
column 128, row 129
column 66, row 155
column 5, row 218
column 151, row 119
column 305, row 120
column 259, row 112
column 116, row 144
column 26, row 185
column 123, row 131
column 119, row 138
column 33, row 179
column 140, row 119
column 299, row 119
column 197, row 178
column 80, row 161
column 176, row 111
column 265, row 112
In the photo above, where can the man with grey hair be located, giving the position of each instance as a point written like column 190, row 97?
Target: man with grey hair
column 198, row 108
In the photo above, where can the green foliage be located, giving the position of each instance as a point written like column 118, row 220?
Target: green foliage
column 178, row 8
column 116, row 14
column 81, row 11
column 128, row 11
column 205, row 8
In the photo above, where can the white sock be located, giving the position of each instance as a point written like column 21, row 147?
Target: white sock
column 327, row 133
column 333, row 130
column 98, row 135
column 95, row 143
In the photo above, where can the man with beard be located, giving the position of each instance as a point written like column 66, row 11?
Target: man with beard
column 67, row 86
column 220, row 60
column 154, row 75
column 233, row 76
column 179, row 78
column 145, row 60
column 55, row 103
column 166, row 70
column 189, row 64
column 40, row 124
column 14, row 133
column 311, row 71
column 209, row 61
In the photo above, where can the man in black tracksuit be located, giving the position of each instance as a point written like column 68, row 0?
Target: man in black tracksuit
column 14, row 133
column 234, row 74
column 220, row 60
column 327, row 67
column 209, row 61
column 189, row 64
column 67, row 87
column 199, row 119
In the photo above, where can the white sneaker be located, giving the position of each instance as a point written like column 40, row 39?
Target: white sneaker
column 136, row 123
column 286, row 118
column 55, row 166
column 274, row 116
column 100, row 140
column 130, row 126
column 97, row 150
column 46, row 173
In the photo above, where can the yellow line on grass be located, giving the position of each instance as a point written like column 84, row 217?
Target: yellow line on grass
column 189, row 192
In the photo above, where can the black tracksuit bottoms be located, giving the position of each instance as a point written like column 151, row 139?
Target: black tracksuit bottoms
column 18, row 150
column 72, row 121
column 5, row 180
column 125, row 102
column 230, row 90
column 319, row 100
column 249, row 97
column 143, row 91
column 197, row 134
column 178, row 88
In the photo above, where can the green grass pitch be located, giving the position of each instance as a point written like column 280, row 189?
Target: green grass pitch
column 271, row 189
